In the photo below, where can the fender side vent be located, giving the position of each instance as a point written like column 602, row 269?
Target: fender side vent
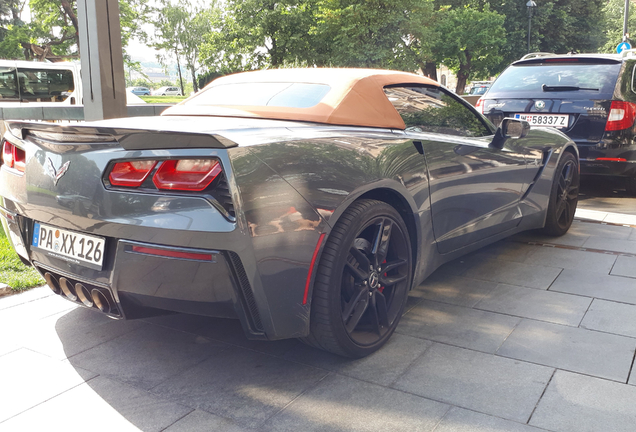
column 246, row 291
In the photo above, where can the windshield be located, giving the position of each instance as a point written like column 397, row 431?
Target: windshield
column 527, row 80
column 289, row 95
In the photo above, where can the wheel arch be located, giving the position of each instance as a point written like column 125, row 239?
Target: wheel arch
column 401, row 201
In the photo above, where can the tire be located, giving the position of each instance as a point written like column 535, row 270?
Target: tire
column 355, row 308
column 630, row 186
column 563, row 197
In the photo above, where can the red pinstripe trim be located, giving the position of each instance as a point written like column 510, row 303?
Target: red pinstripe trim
column 311, row 267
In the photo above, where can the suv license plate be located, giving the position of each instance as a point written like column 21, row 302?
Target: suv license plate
column 545, row 120
column 83, row 249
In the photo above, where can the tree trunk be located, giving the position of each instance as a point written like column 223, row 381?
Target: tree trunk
column 463, row 74
column 430, row 70
column 68, row 10
column 176, row 55
column 195, row 86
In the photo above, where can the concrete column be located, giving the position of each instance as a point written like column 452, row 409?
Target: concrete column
column 103, row 80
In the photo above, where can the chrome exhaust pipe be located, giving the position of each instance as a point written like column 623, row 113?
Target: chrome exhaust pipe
column 101, row 301
column 67, row 289
column 83, row 294
column 52, row 282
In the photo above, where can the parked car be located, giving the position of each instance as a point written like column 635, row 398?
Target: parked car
column 479, row 88
column 167, row 91
column 25, row 83
column 306, row 203
column 589, row 97
column 140, row 91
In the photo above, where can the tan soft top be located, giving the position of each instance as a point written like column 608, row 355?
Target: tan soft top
column 356, row 97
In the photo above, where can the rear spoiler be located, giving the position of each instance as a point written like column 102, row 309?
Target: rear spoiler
column 129, row 139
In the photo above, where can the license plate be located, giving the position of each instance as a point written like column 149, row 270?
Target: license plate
column 545, row 120
column 78, row 248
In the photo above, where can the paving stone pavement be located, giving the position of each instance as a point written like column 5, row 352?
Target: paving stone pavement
column 529, row 334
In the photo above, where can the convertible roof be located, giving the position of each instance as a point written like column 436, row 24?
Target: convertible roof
column 356, row 97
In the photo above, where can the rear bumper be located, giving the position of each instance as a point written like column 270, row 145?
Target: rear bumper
column 608, row 168
column 133, row 285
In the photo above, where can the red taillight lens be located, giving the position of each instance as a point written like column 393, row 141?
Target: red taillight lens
column 7, row 154
column 13, row 157
column 479, row 106
column 186, row 174
column 130, row 174
column 621, row 116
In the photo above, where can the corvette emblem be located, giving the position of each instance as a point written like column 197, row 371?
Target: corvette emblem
column 56, row 175
column 539, row 105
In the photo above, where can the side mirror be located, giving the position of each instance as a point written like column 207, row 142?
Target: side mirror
column 509, row 128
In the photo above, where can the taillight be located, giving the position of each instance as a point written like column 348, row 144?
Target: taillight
column 479, row 106
column 13, row 157
column 130, row 174
column 181, row 174
column 186, row 174
column 621, row 116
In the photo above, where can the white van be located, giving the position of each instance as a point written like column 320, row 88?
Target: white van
column 24, row 83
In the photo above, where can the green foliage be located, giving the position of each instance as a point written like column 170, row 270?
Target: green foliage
column 178, row 31
column 469, row 42
column 54, row 27
column 12, row 271
column 614, row 14
column 363, row 34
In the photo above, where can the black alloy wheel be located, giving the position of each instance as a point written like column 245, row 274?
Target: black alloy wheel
column 362, row 281
column 564, row 196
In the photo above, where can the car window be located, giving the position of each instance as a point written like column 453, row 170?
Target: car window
column 528, row 79
column 45, row 85
column 8, row 85
column 432, row 109
column 289, row 95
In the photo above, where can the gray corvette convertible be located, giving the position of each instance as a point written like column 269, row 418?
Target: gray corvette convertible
column 305, row 203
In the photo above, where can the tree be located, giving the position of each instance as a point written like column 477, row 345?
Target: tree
column 259, row 33
column 614, row 12
column 470, row 42
column 179, row 31
column 53, row 32
column 372, row 33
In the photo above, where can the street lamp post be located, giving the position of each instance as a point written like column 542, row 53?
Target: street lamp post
column 530, row 5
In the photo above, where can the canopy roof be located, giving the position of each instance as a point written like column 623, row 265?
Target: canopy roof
column 356, row 97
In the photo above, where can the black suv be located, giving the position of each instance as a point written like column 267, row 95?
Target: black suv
column 589, row 97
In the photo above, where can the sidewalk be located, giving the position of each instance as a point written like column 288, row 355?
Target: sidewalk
column 529, row 334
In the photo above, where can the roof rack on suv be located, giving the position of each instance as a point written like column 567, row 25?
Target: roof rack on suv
column 537, row 54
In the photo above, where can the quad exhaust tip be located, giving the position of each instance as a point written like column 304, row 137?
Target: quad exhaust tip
column 51, row 281
column 101, row 301
column 84, row 294
column 67, row 289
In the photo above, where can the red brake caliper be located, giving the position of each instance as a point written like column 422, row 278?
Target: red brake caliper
column 381, row 289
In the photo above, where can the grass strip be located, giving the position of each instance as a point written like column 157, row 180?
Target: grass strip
column 162, row 99
column 12, row 272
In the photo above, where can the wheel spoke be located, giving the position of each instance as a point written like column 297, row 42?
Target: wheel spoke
column 383, row 315
column 387, row 267
column 359, row 274
column 373, row 311
column 381, row 242
column 360, row 257
column 560, row 209
column 391, row 280
column 573, row 193
column 359, row 309
column 356, row 307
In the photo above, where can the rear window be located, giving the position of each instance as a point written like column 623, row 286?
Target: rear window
column 527, row 80
column 287, row 95
column 45, row 85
